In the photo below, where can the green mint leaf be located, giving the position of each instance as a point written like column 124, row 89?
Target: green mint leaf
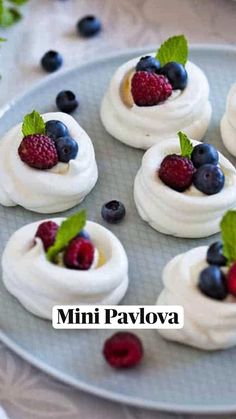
column 18, row 2
column 67, row 231
column 185, row 145
column 33, row 124
column 173, row 49
column 9, row 16
column 228, row 233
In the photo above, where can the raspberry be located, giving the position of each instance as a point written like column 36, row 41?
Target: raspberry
column 79, row 254
column 176, row 172
column 47, row 233
column 149, row 89
column 38, row 151
column 231, row 280
column 123, row 350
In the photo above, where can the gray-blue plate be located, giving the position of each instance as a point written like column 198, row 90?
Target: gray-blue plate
column 171, row 377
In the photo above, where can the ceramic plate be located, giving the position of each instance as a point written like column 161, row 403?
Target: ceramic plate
column 171, row 377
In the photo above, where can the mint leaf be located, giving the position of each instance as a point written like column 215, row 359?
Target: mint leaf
column 173, row 49
column 33, row 124
column 185, row 145
column 67, row 231
column 228, row 233
column 9, row 16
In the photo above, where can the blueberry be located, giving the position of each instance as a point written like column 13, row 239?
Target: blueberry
column 56, row 129
column 89, row 26
column 148, row 63
column 66, row 101
column 212, row 283
column 176, row 74
column 84, row 234
column 67, row 149
column 215, row 254
column 204, row 154
column 51, row 61
column 209, row 179
column 113, row 212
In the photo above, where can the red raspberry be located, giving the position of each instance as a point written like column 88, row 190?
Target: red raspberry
column 38, row 151
column 149, row 89
column 47, row 233
column 123, row 350
column 177, row 172
column 79, row 254
column 231, row 280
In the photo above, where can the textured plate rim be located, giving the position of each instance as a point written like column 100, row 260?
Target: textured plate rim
column 53, row 372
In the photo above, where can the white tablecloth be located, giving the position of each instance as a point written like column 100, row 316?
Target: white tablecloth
column 25, row 392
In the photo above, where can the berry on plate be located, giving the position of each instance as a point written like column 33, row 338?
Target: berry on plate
column 212, row 283
column 38, row 151
column 79, row 254
column 176, row 172
column 56, row 129
column 148, row 63
column 204, row 154
column 209, row 179
column 123, row 350
column 67, row 149
column 231, row 280
column 215, row 254
column 51, row 61
column 84, row 234
column 66, row 101
column 89, row 26
column 47, row 232
column 176, row 74
column 149, row 89
column 113, row 212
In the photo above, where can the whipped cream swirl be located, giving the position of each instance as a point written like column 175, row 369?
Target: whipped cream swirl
column 39, row 284
column 182, row 214
column 228, row 122
column 208, row 324
column 47, row 191
column 141, row 127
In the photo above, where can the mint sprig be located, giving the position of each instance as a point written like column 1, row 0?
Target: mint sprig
column 33, row 124
column 9, row 12
column 173, row 49
column 228, row 234
column 185, row 145
column 68, row 230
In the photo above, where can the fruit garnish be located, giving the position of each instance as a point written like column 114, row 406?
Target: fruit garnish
column 209, row 179
column 67, row 149
column 56, row 129
column 215, row 254
column 89, row 26
column 228, row 234
column 79, row 254
column 51, row 61
column 123, row 350
column 33, row 123
column 231, row 280
column 47, row 232
column 38, row 151
column 173, row 49
column 66, row 101
column 67, row 231
column 176, row 74
column 113, row 212
column 148, row 63
column 101, row 259
column 149, row 89
column 212, row 283
column 176, row 172
column 204, row 154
